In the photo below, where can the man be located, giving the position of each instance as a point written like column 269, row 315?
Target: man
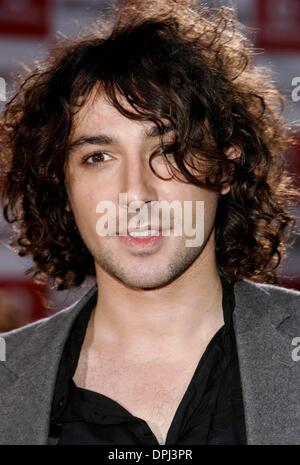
column 174, row 344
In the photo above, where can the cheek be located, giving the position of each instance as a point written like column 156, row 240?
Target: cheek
column 83, row 203
column 210, row 208
column 209, row 204
column 81, row 191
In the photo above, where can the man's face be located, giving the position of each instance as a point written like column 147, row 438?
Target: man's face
column 122, row 166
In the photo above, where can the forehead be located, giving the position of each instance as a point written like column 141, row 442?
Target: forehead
column 97, row 112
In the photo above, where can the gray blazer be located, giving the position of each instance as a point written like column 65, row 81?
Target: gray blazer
column 266, row 321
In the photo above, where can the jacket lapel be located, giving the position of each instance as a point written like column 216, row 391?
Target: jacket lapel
column 27, row 387
column 266, row 321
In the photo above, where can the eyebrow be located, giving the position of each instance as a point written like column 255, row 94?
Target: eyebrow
column 106, row 139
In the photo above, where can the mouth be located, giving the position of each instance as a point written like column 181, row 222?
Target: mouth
column 148, row 238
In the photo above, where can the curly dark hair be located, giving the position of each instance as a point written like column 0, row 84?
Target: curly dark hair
column 172, row 61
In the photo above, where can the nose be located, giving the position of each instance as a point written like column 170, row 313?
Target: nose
column 138, row 181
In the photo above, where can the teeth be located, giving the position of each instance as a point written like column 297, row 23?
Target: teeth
column 151, row 232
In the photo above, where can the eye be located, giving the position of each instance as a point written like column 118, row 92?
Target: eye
column 95, row 158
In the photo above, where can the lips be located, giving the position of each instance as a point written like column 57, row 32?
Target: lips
column 143, row 232
column 141, row 241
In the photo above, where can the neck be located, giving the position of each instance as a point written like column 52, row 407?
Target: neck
column 164, row 320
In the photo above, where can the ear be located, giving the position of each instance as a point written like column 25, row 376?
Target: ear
column 67, row 207
column 233, row 153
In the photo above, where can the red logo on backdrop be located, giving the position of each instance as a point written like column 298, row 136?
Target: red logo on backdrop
column 293, row 162
column 21, row 302
column 279, row 24
column 25, row 17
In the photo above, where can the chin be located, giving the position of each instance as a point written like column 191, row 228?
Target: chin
column 146, row 282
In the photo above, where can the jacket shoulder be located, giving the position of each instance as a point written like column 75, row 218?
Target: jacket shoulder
column 44, row 333
column 258, row 299
column 30, row 331
column 271, row 291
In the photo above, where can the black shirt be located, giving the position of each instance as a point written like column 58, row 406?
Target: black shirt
column 210, row 412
